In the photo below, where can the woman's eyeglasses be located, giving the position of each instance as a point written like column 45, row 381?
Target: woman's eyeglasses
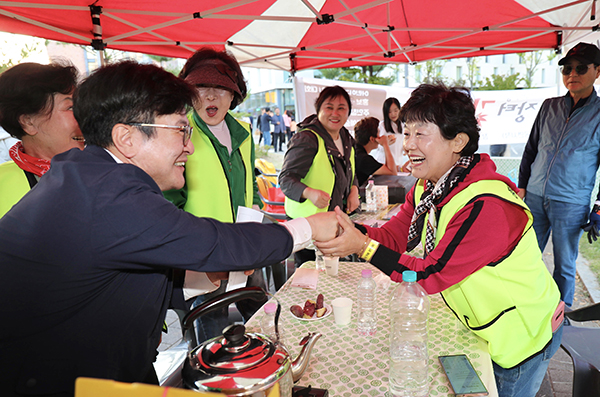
column 186, row 130
column 579, row 69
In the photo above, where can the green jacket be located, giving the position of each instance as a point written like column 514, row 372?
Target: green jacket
column 217, row 182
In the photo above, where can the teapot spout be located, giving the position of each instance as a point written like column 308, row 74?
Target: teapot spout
column 301, row 362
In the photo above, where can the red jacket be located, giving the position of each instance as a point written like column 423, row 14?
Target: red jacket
column 471, row 240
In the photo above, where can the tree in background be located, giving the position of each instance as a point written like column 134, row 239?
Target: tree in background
column 13, row 53
column 167, row 63
column 359, row 74
column 430, row 72
column 532, row 60
column 501, row 82
column 472, row 72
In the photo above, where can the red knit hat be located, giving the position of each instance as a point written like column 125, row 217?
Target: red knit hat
column 214, row 72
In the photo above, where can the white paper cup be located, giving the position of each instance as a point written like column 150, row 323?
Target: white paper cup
column 342, row 310
column 331, row 265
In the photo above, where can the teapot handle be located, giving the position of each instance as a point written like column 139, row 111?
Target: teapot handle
column 223, row 300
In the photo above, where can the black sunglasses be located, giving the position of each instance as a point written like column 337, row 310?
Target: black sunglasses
column 579, row 69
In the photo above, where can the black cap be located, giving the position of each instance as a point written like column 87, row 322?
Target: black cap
column 584, row 52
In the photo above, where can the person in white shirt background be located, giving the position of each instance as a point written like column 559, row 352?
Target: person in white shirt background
column 390, row 125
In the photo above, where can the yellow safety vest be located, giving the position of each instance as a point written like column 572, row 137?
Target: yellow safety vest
column 13, row 185
column 209, row 193
column 320, row 176
column 510, row 303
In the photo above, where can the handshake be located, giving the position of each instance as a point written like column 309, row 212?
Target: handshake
column 334, row 233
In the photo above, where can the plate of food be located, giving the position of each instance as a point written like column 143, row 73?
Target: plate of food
column 313, row 310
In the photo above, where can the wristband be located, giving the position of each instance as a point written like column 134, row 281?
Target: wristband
column 370, row 250
column 364, row 246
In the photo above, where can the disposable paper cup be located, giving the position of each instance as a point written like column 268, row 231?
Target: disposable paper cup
column 331, row 265
column 342, row 310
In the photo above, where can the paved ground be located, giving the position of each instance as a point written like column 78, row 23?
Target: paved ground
column 559, row 378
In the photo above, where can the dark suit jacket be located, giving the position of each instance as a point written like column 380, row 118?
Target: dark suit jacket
column 87, row 260
column 265, row 122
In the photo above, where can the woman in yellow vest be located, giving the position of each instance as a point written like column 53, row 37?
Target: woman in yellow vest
column 36, row 106
column 318, row 169
column 219, row 175
column 480, row 250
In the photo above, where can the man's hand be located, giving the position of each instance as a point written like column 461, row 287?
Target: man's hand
column 318, row 197
column 521, row 193
column 324, row 226
column 216, row 277
column 350, row 241
column 593, row 226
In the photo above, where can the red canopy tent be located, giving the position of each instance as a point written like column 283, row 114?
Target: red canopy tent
column 303, row 34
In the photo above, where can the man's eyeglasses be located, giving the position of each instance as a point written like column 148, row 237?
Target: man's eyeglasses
column 186, row 130
column 579, row 69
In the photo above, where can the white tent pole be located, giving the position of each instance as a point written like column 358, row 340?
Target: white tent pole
column 311, row 8
column 166, row 39
column 43, row 25
column 360, row 8
column 184, row 18
column 365, row 26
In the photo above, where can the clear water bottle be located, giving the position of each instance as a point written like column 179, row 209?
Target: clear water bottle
column 267, row 323
column 409, row 308
column 367, row 304
column 370, row 196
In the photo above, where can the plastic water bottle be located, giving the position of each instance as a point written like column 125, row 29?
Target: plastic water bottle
column 409, row 308
column 367, row 304
column 267, row 323
column 370, row 194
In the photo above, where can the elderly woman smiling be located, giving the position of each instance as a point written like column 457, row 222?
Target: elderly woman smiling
column 36, row 106
column 480, row 249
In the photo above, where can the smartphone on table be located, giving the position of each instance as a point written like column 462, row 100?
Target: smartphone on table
column 462, row 376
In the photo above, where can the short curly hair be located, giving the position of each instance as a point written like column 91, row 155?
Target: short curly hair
column 450, row 108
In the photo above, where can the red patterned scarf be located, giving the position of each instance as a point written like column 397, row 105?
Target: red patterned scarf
column 26, row 162
column 433, row 195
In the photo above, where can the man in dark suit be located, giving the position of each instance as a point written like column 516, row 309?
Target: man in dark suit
column 92, row 257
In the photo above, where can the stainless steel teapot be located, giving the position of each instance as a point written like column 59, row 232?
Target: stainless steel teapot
column 239, row 363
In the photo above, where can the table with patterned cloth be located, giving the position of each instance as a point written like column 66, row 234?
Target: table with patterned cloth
column 348, row 364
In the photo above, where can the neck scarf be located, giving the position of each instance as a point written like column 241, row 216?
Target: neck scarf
column 26, row 162
column 433, row 195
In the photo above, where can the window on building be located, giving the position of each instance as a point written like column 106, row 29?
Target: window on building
column 543, row 76
column 458, row 73
column 512, row 70
column 495, row 70
column 503, row 58
column 487, row 60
